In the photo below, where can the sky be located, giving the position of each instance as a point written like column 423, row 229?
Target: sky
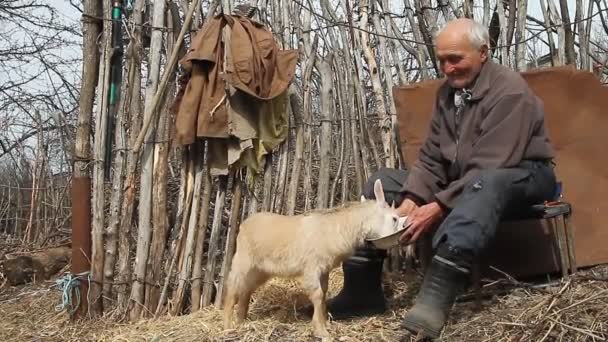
column 534, row 10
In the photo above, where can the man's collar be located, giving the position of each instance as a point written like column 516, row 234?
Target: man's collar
column 482, row 83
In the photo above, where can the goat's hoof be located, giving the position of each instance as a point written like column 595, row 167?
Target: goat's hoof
column 323, row 335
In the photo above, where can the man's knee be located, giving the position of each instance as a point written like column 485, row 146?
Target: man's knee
column 392, row 182
column 496, row 180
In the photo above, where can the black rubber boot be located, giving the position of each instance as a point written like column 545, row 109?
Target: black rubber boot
column 446, row 277
column 362, row 293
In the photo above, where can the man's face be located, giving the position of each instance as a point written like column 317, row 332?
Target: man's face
column 458, row 59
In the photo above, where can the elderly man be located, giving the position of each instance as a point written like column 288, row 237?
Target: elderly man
column 487, row 154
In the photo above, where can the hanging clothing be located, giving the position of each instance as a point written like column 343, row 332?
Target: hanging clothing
column 237, row 96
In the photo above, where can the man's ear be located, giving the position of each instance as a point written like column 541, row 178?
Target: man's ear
column 483, row 51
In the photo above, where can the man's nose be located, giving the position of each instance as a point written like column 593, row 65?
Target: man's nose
column 448, row 68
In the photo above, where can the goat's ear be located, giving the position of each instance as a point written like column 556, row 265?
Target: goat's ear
column 379, row 193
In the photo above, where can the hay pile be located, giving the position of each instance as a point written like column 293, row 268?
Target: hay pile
column 574, row 309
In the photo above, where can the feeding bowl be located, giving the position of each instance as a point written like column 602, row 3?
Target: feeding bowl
column 389, row 241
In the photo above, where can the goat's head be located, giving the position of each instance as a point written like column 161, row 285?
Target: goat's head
column 385, row 220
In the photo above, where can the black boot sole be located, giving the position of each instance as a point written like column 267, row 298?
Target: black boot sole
column 415, row 327
column 358, row 313
column 308, row 312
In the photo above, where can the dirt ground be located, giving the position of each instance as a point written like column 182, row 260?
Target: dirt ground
column 574, row 309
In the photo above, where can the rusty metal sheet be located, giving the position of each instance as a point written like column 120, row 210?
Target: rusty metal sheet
column 81, row 236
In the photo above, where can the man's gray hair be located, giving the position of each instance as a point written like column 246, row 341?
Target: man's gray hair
column 478, row 35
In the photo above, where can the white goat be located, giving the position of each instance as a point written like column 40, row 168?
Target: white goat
column 304, row 247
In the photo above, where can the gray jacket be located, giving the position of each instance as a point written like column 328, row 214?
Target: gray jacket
column 501, row 124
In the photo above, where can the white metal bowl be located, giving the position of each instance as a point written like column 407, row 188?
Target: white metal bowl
column 389, row 241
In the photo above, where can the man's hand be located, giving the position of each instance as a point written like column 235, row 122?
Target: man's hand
column 421, row 219
column 406, row 207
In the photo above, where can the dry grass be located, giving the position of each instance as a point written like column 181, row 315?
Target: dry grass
column 574, row 309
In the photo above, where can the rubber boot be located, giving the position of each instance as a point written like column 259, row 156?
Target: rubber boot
column 447, row 277
column 362, row 293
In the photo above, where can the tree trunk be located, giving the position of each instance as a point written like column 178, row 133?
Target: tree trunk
column 203, row 220
column 81, row 250
column 187, row 256
column 159, row 214
column 467, row 7
column 298, row 161
column 282, row 175
column 504, row 48
column 587, row 39
column 116, row 195
column 547, row 24
column 427, row 27
column 569, row 35
column 343, row 154
column 133, row 106
column 511, row 28
column 367, row 152
column 325, row 137
column 99, row 149
column 351, row 128
column 388, row 79
column 233, row 230
column 24, row 267
column 561, row 32
column 385, row 125
column 422, row 52
column 181, row 222
column 90, row 33
column 443, row 4
column 301, row 114
column 360, row 150
column 602, row 14
column 216, row 230
column 486, row 13
column 347, row 71
column 394, row 30
column 144, row 234
column 520, row 36
column 583, row 38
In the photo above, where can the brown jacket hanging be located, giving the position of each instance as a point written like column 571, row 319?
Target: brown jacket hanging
column 255, row 66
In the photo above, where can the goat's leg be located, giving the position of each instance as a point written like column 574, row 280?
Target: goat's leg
column 252, row 280
column 234, row 284
column 229, row 302
column 324, row 286
column 312, row 285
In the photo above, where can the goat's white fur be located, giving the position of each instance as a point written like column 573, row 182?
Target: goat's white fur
column 304, row 247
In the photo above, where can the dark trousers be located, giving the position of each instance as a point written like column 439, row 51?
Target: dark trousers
column 489, row 197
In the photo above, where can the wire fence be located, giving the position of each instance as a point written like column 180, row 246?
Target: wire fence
column 35, row 213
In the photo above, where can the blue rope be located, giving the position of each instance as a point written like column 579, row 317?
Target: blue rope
column 66, row 284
